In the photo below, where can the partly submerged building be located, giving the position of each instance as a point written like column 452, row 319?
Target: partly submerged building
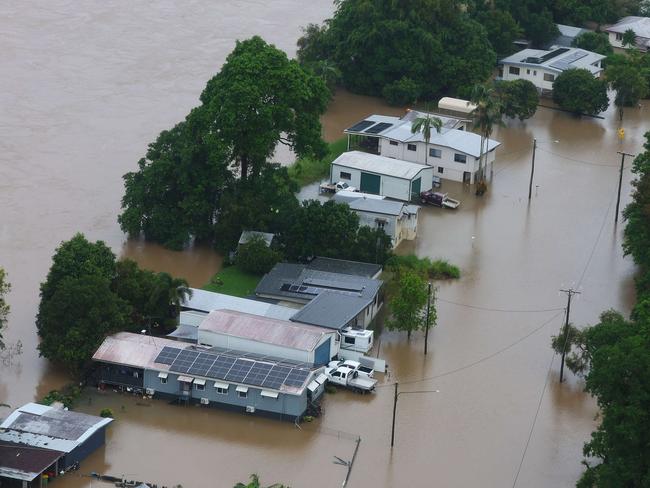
column 38, row 440
column 639, row 25
column 453, row 153
column 398, row 219
column 212, row 376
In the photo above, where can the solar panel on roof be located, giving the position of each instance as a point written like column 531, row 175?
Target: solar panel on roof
column 380, row 127
column 258, row 374
column 239, row 370
column 360, row 126
column 296, row 378
column 565, row 62
column 167, row 355
column 554, row 54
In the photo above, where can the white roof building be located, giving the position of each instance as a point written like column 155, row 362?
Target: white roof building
column 640, row 26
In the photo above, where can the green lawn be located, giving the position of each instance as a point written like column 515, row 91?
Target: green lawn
column 233, row 282
column 308, row 170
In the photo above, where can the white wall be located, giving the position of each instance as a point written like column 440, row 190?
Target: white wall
column 534, row 75
column 616, row 42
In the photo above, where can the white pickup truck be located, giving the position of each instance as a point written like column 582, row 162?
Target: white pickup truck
column 354, row 365
column 349, row 378
column 336, row 187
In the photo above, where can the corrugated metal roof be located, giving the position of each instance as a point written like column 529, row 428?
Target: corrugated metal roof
column 54, row 428
column 25, row 463
column 134, row 350
column 344, row 266
column 206, row 301
column 262, row 329
column 331, row 310
column 386, row 207
column 569, row 58
column 247, row 235
column 380, row 165
column 640, row 26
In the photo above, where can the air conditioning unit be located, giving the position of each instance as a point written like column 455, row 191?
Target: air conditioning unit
column 150, row 391
column 205, row 401
column 250, row 409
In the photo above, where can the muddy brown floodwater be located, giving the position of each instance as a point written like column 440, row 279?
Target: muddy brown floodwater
column 86, row 86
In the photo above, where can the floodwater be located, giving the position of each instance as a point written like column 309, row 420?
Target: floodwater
column 86, row 87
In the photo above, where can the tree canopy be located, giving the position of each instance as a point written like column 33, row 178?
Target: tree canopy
column 628, row 82
column 578, row 91
column 407, row 303
column 377, row 45
column 256, row 256
column 88, row 295
column 597, row 42
column 4, row 307
column 519, row 98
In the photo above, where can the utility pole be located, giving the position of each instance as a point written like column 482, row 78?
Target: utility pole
column 392, row 432
column 570, row 292
column 620, row 181
column 426, row 334
column 532, row 170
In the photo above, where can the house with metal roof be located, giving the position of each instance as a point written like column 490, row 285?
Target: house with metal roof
column 332, row 300
column 229, row 329
column 453, row 153
column 398, row 219
column 69, row 436
column 345, row 266
column 393, row 178
column 541, row 67
column 639, row 25
column 210, row 376
column 27, row 466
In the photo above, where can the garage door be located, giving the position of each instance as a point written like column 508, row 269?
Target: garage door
column 370, row 183
column 415, row 188
column 322, row 353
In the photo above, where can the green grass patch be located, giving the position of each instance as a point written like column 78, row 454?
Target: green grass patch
column 439, row 269
column 233, row 281
column 308, row 170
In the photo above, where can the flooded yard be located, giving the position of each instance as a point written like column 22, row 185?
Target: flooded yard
column 86, row 87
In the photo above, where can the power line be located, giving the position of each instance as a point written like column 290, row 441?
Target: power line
column 488, row 309
column 478, row 361
column 575, row 160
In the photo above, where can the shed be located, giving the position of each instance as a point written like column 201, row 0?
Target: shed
column 74, row 434
column 247, row 235
column 25, row 463
column 229, row 329
column 380, row 175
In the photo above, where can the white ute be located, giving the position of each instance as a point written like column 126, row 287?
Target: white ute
column 354, row 365
column 349, row 378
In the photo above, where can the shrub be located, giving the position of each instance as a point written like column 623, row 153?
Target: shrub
column 68, row 395
column 106, row 413
column 404, row 91
column 256, row 256
column 439, row 269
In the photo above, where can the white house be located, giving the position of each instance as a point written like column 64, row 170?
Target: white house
column 393, row 178
column 398, row 219
column 453, row 153
column 541, row 67
column 640, row 26
column 227, row 329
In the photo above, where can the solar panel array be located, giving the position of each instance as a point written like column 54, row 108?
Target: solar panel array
column 237, row 367
column 566, row 62
column 358, row 127
column 380, row 127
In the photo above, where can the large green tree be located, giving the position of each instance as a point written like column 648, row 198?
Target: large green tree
column 256, row 256
column 597, row 42
column 81, row 312
column 637, row 213
column 518, row 98
column 407, row 302
column 578, row 91
column 4, row 307
column 376, row 44
column 629, row 83
column 261, row 98
column 502, row 29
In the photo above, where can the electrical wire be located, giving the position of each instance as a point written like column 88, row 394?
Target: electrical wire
column 503, row 310
column 575, row 160
column 478, row 361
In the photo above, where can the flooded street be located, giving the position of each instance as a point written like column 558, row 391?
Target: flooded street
column 84, row 91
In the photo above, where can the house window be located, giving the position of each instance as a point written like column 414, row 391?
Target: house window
column 513, row 70
column 435, row 153
column 349, row 340
column 619, row 36
column 346, row 176
column 242, row 394
column 411, row 147
column 381, row 223
column 549, row 77
column 441, row 169
column 535, row 73
column 527, row 71
column 199, row 386
column 393, row 143
column 163, row 381
column 222, row 391
column 460, row 158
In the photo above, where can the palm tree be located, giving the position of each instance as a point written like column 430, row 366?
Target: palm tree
column 255, row 483
column 629, row 38
column 424, row 125
column 487, row 114
column 170, row 291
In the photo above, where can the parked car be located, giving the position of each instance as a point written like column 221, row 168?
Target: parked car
column 439, row 199
column 336, row 187
column 349, row 378
column 354, row 365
